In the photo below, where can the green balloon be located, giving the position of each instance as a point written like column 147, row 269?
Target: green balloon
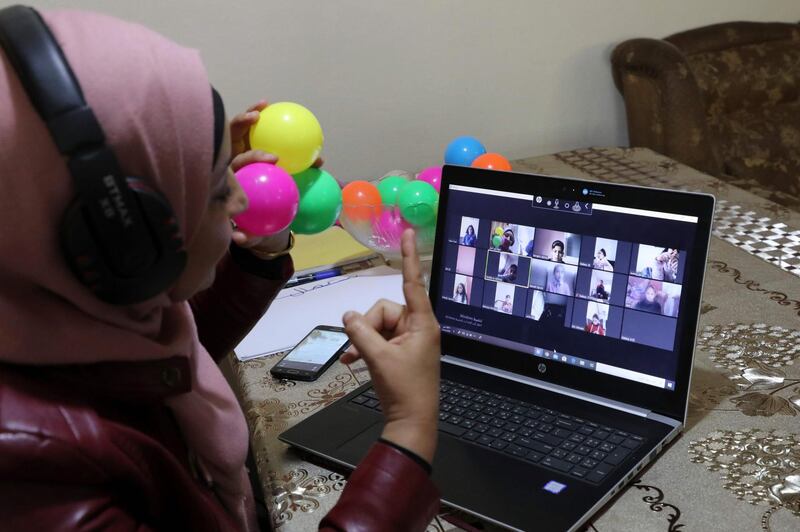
column 418, row 202
column 320, row 201
column 496, row 241
column 389, row 187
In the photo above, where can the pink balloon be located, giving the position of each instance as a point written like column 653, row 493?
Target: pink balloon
column 432, row 175
column 389, row 227
column 273, row 199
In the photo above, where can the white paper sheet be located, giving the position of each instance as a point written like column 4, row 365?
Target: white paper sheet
column 297, row 310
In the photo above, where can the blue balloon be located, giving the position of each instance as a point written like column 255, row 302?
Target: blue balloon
column 463, row 151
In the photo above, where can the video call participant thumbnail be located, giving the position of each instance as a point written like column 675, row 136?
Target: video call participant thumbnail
column 650, row 329
column 508, row 268
column 553, row 277
column 503, row 237
column 548, row 308
column 465, row 263
column 600, row 285
column 605, row 254
column 658, row 263
column 462, row 287
column 556, row 246
column 504, row 298
column 597, row 318
column 558, row 282
column 462, row 259
column 653, row 296
column 468, row 235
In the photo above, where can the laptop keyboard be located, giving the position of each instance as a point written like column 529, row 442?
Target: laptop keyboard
column 570, row 445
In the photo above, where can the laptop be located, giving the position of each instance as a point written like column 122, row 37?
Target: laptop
column 568, row 311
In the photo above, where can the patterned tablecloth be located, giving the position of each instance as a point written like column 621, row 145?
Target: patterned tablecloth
column 737, row 465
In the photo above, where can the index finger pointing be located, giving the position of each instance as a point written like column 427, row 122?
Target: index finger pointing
column 413, row 285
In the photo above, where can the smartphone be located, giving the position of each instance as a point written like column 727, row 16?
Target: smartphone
column 313, row 355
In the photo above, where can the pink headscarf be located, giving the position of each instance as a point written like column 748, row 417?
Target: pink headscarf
column 153, row 99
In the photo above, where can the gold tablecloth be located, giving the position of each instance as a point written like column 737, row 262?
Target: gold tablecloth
column 737, row 465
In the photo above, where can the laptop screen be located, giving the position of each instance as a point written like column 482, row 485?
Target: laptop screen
column 585, row 283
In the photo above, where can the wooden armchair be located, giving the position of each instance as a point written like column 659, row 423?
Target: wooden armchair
column 724, row 99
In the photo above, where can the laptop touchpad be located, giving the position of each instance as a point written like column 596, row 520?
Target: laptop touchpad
column 354, row 449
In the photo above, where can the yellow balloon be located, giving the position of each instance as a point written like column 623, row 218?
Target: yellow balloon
column 498, row 231
column 291, row 132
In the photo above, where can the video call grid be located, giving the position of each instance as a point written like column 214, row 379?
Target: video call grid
column 599, row 310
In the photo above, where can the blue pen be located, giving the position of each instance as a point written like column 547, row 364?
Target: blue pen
column 314, row 277
column 325, row 274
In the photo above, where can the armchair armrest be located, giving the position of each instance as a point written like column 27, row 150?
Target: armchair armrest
column 665, row 109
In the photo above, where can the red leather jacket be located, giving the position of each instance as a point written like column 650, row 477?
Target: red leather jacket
column 92, row 447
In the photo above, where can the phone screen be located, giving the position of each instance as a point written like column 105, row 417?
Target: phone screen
column 315, row 350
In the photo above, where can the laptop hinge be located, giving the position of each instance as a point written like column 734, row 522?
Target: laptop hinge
column 563, row 390
column 655, row 416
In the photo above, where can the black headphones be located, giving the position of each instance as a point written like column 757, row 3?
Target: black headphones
column 119, row 236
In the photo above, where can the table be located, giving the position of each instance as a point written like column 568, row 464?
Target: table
column 742, row 440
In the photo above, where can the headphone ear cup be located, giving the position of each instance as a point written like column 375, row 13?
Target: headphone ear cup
column 87, row 254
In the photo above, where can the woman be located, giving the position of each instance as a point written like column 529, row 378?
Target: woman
column 469, row 237
column 460, row 294
column 648, row 301
column 594, row 326
column 117, row 417
column 557, row 284
column 601, row 262
column 508, row 240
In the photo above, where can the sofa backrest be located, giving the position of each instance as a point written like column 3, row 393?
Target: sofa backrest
column 743, row 64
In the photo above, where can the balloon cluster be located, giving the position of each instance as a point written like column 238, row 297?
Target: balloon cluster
column 379, row 213
column 499, row 238
column 468, row 151
column 293, row 193
column 290, row 193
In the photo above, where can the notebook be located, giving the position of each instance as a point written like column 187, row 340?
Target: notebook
column 297, row 310
column 330, row 248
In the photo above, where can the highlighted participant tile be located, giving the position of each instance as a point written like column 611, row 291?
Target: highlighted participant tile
column 507, row 268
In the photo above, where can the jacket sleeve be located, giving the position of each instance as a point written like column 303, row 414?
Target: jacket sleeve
column 49, row 506
column 387, row 491
column 243, row 289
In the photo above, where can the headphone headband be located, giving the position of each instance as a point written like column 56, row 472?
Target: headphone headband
column 48, row 79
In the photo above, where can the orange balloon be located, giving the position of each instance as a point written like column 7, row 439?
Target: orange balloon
column 361, row 201
column 492, row 161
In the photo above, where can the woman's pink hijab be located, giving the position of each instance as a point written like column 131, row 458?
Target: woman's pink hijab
column 153, row 100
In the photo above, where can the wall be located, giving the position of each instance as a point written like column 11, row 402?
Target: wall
column 393, row 82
